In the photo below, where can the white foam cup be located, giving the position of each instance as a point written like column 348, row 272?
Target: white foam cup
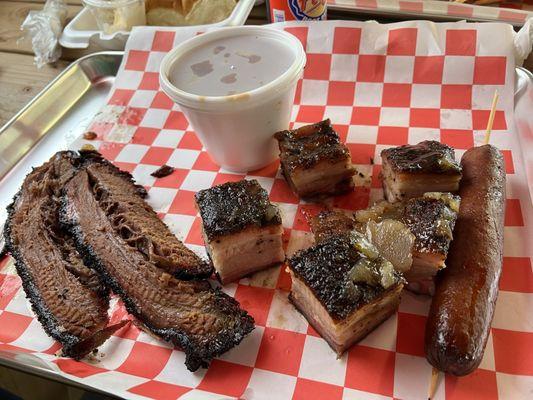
column 236, row 129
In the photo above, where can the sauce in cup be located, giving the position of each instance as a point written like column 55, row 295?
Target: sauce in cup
column 231, row 66
column 236, row 87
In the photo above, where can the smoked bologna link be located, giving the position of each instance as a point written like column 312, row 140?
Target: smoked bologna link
column 463, row 306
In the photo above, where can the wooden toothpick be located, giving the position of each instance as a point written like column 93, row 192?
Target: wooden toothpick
column 433, row 383
column 491, row 117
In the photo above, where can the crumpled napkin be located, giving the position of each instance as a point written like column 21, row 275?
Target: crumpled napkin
column 45, row 27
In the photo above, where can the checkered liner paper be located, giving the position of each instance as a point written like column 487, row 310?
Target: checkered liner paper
column 382, row 86
column 512, row 11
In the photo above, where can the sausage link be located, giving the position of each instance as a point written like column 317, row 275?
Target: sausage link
column 463, row 306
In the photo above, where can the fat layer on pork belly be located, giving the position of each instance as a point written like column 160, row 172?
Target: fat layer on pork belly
column 431, row 219
column 344, row 288
column 314, row 161
column 242, row 253
column 412, row 170
column 413, row 235
column 242, row 230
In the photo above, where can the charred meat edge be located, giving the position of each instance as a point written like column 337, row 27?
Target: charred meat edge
column 234, row 206
column 199, row 348
column 361, row 321
column 330, row 223
column 126, row 209
column 311, row 149
column 75, row 346
column 425, row 217
column 427, row 157
column 325, row 269
column 309, row 145
column 163, row 171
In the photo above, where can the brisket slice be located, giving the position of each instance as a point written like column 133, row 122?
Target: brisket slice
column 137, row 222
column 203, row 321
column 66, row 296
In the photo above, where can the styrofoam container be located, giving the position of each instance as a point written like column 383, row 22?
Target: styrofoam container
column 236, row 126
column 117, row 15
column 83, row 29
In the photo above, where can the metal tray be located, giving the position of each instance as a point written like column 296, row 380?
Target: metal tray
column 50, row 122
column 53, row 119
column 58, row 115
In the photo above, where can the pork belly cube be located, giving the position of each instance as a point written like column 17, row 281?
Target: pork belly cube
column 412, row 170
column 431, row 219
column 314, row 161
column 414, row 235
column 392, row 239
column 242, row 230
column 330, row 223
column 344, row 288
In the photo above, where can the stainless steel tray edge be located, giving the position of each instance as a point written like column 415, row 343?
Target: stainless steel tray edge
column 89, row 68
column 54, row 118
column 103, row 76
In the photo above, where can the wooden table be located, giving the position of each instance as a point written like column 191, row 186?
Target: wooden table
column 20, row 79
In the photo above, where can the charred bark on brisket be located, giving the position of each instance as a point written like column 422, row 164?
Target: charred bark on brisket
column 66, row 296
column 201, row 320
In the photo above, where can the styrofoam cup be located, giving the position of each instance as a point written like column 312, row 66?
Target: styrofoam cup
column 117, row 15
column 237, row 129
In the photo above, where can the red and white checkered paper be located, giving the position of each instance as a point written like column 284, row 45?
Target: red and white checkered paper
column 515, row 12
column 381, row 85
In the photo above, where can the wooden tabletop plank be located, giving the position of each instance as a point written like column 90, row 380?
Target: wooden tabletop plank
column 73, row 2
column 20, row 81
column 12, row 14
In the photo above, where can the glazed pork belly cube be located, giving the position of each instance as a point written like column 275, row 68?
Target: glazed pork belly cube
column 393, row 239
column 330, row 223
column 242, row 230
column 431, row 219
column 412, row 170
column 344, row 288
column 314, row 161
column 414, row 235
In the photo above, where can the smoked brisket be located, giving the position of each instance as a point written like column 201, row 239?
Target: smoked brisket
column 138, row 224
column 132, row 251
column 67, row 296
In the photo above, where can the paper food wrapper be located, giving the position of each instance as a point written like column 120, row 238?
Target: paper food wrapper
column 44, row 27
column 382, row 86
